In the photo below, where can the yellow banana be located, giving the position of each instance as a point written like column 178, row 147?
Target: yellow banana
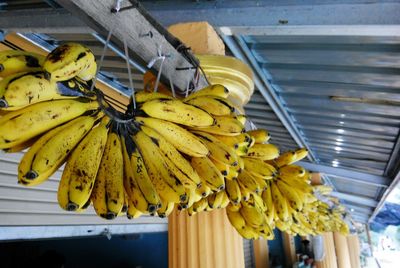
column 263, row 151
column 17, row 61
column 166, row 209
column 280, row 202
column 232, row 190
column 252, row 215
column 290, row 194
column 212, row 90
column 247, row 181
column 208, row 173
column 260, row 135
column 286, row 158
column 51, row 150
column 167, row 184
column 259, row 168
column 301, row 153
column 179, row 137
column 178, row 112
column 203, row 191
column 19, row 126
column 292, row 171
column 32, row 88
column 235, row 142
column 190, row 175
column 224, row 125
column 80, row 172
column 200, row 205
column 108, row 194
column 215, row 199
column 67, row 61
column 218, row 150
column 213, row 105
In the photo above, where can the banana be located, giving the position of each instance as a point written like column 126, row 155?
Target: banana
column 247, row 181
column 125, row 206
column 108, row 194
column 224, row 125
column 301, row 154
column 17, row 61
column 222, row 167
column 144, row 96
column 297, row 184
column 241, row 118
column 323, row 189
column 19, row 126
column 241, row 140
column 292, row 171
column 80, row 172
column 200, row 205
column 225, row 199
column 213, row 105
column 179, row 137
column 190, row 175
column 232, row 190
column 218, row 150
column 280, row 202
column 167, row 184
column 22, row 146
column 208, row 173
column 166, row 209
column 67, row 61
column 286, row 158
column 178, row 112
column 212, row 90
column 32, row 88
column 132, row 212
column 50, row 151
column 215, row 199
column 233, row 173
column 203, row 191
column 291, row 195
column 259, row 168
column 267, row 198
column 4, row 82
column 263, row 151
column 260, row 135
column 266, row 232
column 137, row 182
column 252, row 215
column 245, row 193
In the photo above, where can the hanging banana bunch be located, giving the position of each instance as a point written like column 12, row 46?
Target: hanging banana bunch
column 191, row 154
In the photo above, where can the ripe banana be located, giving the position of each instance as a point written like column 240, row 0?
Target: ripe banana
column 178, row 112
column 224, row 125
column 208, row 173
column 166, row 209
column 280, row 203
column 301, row 153
column 263, row 151
column 179, row 137
column 260, row 135
column 19, row 126
column 241, row 140
column 17, row 61
column 137, row 182
column 286, row 158
column 108, row 194
column 190, row 175
column 167, row 184
column 233, row 192
column 218, row 150
column 259, row 168
column 31, row 88
column 247, row 181
column 291, row 195
column 212, row 90
column 213, row 105
column 81, row 169
column 67, row 61
column 51, row 150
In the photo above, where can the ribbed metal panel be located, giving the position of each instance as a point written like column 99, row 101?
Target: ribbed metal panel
column 248, row 253
column 21, row 205
column 264, row 117
column 342, row 92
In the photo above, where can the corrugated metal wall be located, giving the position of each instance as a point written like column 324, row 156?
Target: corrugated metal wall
column 248, row 253
column 25, row 206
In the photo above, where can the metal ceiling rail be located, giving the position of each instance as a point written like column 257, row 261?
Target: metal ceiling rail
column 240, row 51
column 356, row 199
column 393, row 185
column 347, row 174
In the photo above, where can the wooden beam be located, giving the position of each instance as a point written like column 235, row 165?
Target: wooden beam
column 342, row 250
column 261, row 252
column 144, row 36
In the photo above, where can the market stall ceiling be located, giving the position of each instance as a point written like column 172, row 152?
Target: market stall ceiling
column 340, row 91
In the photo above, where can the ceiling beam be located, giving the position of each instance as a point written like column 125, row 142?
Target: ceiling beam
column 346, row 174
column 356, row 199
column 134, row 25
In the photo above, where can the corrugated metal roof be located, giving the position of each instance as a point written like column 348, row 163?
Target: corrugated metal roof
column 343, row 94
